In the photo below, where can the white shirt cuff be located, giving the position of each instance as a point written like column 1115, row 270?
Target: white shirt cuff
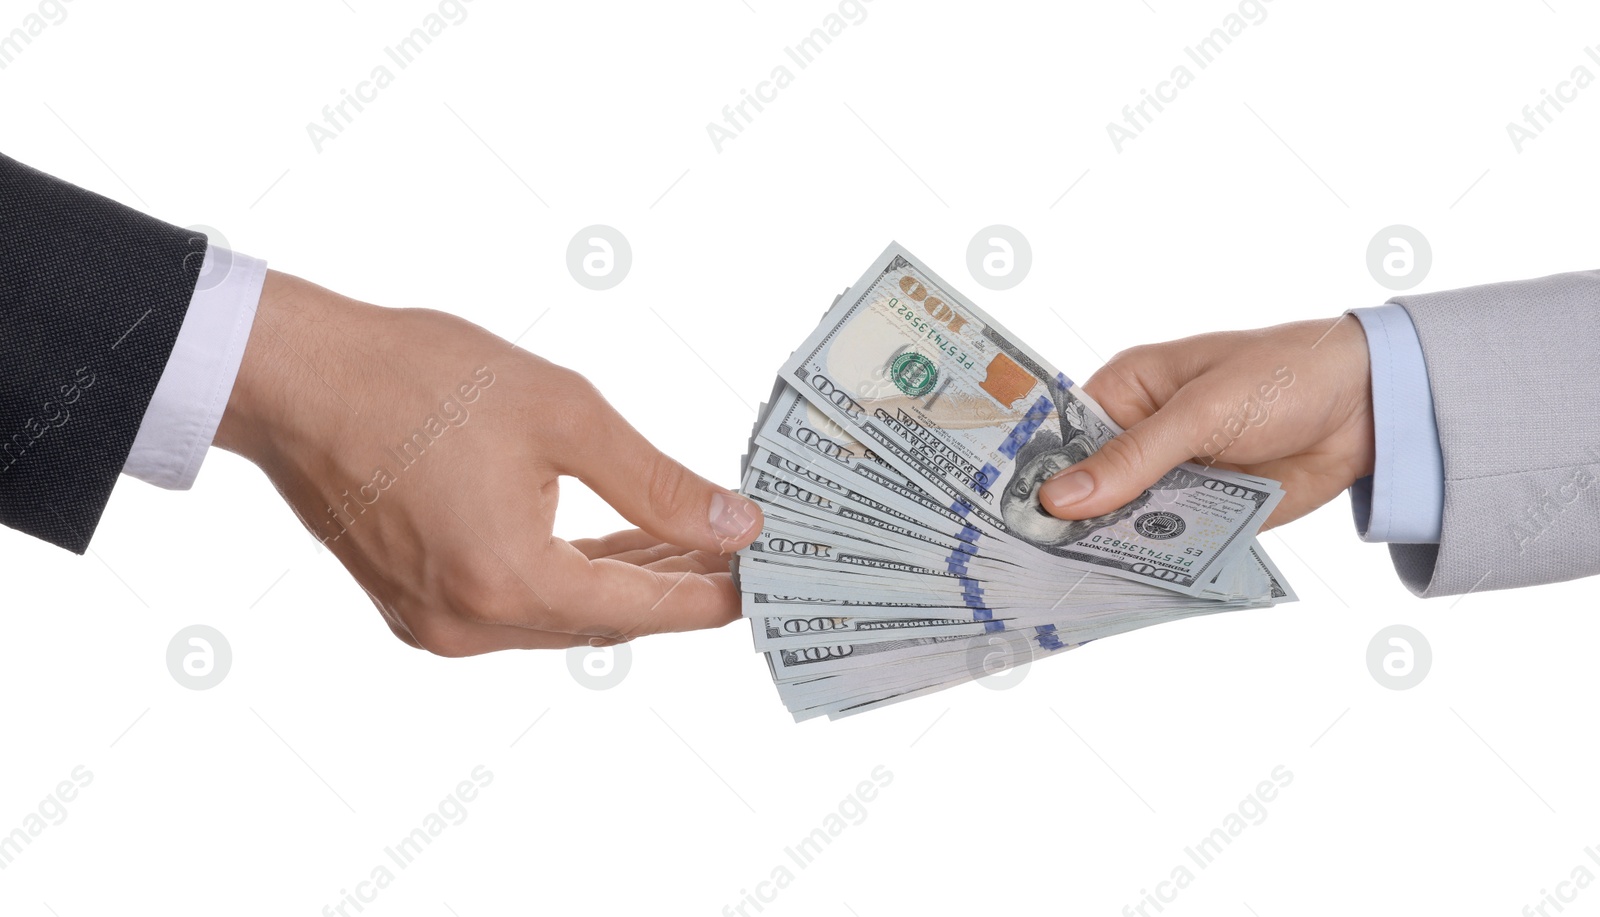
column 1403, row 501
column 188, row 402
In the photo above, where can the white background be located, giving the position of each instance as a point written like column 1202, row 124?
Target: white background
column 1249, row 201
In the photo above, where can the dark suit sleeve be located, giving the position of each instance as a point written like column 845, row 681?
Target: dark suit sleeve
column 92, row 295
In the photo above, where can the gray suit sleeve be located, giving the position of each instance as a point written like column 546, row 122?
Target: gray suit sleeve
column 1512, row 369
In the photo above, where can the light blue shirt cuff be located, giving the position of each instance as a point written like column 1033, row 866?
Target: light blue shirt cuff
column 1403, row 500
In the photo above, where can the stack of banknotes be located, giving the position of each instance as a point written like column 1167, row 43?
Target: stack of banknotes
column 898, row 462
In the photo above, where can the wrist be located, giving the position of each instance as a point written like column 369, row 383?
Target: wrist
column 271, row 409
column 1355, row 356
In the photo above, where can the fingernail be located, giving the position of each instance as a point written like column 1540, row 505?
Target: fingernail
column 733, row 518
column 1065, row 489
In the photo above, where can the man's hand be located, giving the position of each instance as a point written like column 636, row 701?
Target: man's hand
column 424, row 452
column 1292, row 403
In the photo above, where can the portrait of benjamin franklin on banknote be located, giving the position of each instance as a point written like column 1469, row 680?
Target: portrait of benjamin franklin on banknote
column 1047, row 454
column 1042, row 458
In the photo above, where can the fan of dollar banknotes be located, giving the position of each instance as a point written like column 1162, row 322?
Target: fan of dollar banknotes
column 898, row 462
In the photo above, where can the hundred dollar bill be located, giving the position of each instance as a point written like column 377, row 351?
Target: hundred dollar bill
column 939, row 390
column 797, row 631
column 794, row 427
column 849, row 693
column 785, row 486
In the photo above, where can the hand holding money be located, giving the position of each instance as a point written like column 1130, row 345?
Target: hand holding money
column 1292, row 403
column 904, row 548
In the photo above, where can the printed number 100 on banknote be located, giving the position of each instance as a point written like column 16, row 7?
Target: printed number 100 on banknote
column 938, row 389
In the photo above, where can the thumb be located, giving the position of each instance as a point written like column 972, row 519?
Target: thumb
column 661, row 496
column 1121, row 469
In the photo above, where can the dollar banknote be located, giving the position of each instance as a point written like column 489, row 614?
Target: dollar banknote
column 940, row 391
column 898, row 462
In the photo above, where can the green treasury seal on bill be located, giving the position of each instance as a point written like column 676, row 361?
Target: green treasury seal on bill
column 913, row 373
column 978, row 421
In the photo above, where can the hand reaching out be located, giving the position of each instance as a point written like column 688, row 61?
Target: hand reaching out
column 424, row 452
column 1292, row 403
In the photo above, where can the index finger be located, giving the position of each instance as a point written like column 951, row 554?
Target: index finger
column 1137, row 382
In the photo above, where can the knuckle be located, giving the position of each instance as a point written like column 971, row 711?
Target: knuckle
column 1124, row 455
column 576, row 388
column 403, row 635
column 490, row 594
column 559, row 421
column 442, row 636
column 1131, row 358
column 668, row 485
column 568, row 402
column 392, row 619
column 1122, row 384
column 562, row 380
column 561, row 619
